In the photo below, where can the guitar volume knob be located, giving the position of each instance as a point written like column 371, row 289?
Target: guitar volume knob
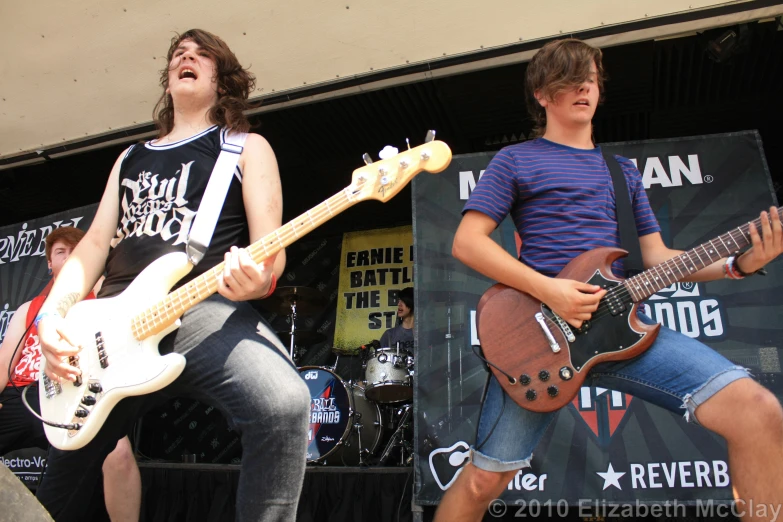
column 543, row 375
column 524, row 379
column 552, row 391
column 531, row 395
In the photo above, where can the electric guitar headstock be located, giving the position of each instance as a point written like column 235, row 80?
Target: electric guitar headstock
column 383, row 179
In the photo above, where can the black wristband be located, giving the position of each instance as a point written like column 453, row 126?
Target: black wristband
column 736, row 267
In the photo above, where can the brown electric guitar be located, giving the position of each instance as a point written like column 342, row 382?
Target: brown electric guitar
column 541, row 361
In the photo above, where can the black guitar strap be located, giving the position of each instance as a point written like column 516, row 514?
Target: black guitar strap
column 626, row 221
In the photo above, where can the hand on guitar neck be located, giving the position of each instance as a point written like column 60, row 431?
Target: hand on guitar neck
column 575, row 301
column 242, row 279
column 766, row 245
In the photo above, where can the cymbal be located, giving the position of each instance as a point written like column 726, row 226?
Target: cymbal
column 307, row 300
column 301, row 337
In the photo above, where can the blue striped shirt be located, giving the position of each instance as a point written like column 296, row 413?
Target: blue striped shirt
column 561, row 200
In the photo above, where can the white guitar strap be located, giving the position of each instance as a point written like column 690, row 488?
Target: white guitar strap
column 231, row 146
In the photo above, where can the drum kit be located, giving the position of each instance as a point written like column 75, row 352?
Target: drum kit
column 362, row 422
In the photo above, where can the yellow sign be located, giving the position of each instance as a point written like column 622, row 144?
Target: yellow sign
column 375, row 265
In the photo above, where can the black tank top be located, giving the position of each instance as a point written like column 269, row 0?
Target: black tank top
column 161, row 187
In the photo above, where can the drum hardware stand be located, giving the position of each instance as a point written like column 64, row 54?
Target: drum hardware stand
column 357, row 425
column 293, row 329
column 398, row 438
column 399, row 362
column 448, row 356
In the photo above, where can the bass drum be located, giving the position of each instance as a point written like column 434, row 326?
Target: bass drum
column 331, row 411
column 337, row 409
column 367, row 427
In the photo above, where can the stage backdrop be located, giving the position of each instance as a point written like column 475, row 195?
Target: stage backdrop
column 23, row 268
column 375, row 265
column 606, row 446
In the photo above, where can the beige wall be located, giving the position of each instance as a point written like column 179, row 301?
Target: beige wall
column 71, row 69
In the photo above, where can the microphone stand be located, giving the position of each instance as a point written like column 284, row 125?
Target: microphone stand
column 448, row 354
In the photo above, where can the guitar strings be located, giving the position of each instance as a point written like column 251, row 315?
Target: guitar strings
column 316, row 217
column 623, row 291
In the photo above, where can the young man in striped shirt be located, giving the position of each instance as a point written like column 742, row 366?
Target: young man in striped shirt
column 559, row 193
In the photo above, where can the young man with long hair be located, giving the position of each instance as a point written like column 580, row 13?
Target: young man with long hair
column 558, row 190
column 234, row 360
column 18, row 427
column 402, row 333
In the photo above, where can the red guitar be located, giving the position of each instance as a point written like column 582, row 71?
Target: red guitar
column 542, row 361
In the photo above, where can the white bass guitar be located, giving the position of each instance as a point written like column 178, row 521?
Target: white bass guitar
column 119, row 336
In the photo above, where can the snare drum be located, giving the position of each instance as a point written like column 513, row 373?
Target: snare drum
column 388, row 376
column 334, row 424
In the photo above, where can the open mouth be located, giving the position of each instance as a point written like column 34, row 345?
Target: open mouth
column 187, row 73
column 582, row 103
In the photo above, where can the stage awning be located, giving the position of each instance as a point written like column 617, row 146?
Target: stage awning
column 72, row 72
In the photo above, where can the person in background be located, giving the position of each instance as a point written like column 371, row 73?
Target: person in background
column 403, row 332
column 19, row 428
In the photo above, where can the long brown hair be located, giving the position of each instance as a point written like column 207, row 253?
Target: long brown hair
column 559, row 66
column 234, row 85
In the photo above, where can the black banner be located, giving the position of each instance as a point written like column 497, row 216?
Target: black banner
column 606, row 446
column 23, row 268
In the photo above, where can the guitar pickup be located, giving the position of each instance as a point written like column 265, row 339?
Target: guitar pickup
column 549, row 337
column 102, row 356
column 616, row 305
column 73, row 360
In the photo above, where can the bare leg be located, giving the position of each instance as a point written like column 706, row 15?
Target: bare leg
column 122, row 484
column 467, row 499
column 750, row 418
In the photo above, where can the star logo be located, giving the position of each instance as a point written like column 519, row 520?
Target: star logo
column 611, row 477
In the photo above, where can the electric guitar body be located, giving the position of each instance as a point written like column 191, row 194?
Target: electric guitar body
column 541, row 361
column 549, row 375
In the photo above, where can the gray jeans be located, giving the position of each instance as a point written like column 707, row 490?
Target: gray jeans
column 235, row 368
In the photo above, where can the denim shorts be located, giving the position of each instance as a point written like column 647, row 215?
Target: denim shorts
column 677, row 373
